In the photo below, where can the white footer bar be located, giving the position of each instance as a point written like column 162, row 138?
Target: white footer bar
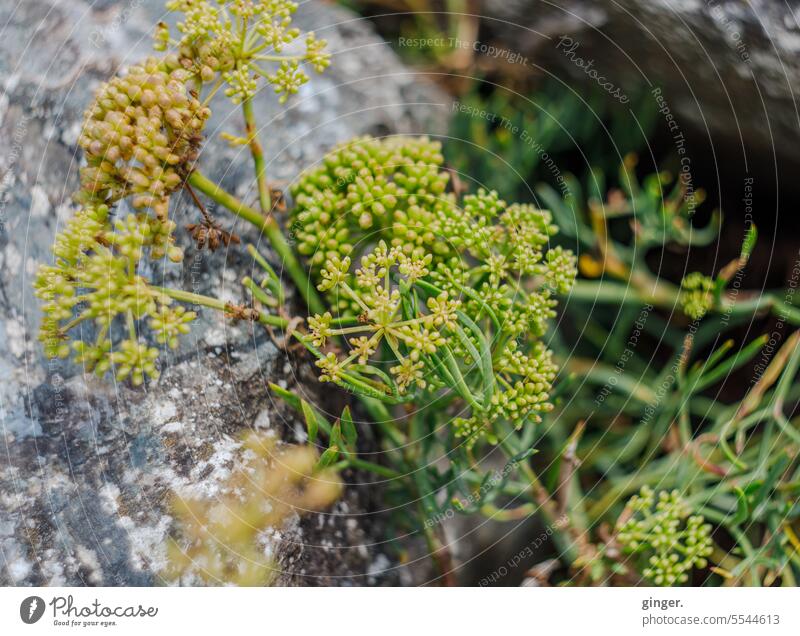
column 399, row 611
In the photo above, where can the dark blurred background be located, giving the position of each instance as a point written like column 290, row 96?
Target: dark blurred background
column 588, row 82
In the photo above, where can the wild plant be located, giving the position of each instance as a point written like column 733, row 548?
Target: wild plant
column 434, row 308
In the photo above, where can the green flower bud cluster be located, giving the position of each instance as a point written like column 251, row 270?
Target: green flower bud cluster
column 231, row 41
column 491, row 256
column 376, row 290
column 395, row 189
column 697, row 295
column 141, row 136
column 663, row 532
column 94, row 278
column 507, row 272
column 525, row 381
column 369, row 189
column 431, row 337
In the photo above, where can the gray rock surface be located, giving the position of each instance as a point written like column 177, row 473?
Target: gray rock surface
column 88, row 466
column 728, row 69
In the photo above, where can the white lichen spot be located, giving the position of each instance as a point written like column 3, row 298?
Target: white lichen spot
column 12, row 259
column 173, row 427
column 148, row 549
column 214, row 337
column 17, row 565
column 40, row 204
column 64, row 213
column 88, row 559
column 109, row 498
column 379, row 565
column 15, row 337
column 71, row 133
column 220, row 463
column 262, row 420
column 163, row 412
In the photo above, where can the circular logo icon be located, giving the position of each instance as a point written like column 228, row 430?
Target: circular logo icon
column 31, row 609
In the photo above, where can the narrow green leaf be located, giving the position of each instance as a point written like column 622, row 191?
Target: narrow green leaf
column 336, row 435
column 349, row 429
column 271, row 281
column 368, row 369
column 761, row 498
column 328, row 458
column 484, row 307
column 730, row 365
column 363, row 389
column 742, row 507
column 485, row 356
column 290, row 398
column 749, row 242
column 460, row 384
column 311, row 421
column 296, row 402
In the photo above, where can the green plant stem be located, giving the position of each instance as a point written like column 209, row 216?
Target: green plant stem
column 545, row 505
column 599, row 372
column 219, row 305
column 257, row 151
column 667, row 297
column 273, row 281
column 375, row 408
column 269, row 226
column 259, row 294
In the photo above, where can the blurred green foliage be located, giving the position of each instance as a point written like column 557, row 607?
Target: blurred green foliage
column 511, row 142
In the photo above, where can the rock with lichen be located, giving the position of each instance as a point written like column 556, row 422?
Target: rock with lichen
column 91, row 465
column 725, row 69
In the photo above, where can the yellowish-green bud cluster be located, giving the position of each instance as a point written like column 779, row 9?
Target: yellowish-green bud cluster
column 396, row 189
column 141, row 136
column 697, row 295
column 668, row 538
column 373, row 290
column 472, row 273
column 235, row 42
column 370, row 189
column 432, row 330
column 94, row 278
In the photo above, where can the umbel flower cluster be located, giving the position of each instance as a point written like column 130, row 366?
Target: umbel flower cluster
column 368, row 189
column 410, row 339
column 141, row 137
column 662, row 530
column 95, row 279
column 221, row 540
column 235, row 42
column 453, row 295
column 697, row 295
column 396, row 189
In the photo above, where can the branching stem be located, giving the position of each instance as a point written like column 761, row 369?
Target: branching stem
column 264, row 198
column 667, row 297
column 270, row 227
